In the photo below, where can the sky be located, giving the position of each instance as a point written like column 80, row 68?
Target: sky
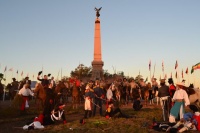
column 56, row 35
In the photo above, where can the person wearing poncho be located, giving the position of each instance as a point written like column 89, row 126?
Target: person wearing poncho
column 181, row 100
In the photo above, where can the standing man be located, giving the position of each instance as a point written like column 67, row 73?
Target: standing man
column 99, row 95
column 25, row 92
column 163, row 94
column 89, row 95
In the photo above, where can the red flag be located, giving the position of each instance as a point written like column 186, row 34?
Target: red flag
column 182, row 73
column 186, row 71
column 149, row 65
column 176, row 65
column 176, row 75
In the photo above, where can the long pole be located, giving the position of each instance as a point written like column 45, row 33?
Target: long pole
column 61, row 74
column 154, row 69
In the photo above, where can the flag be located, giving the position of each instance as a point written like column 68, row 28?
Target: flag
column 17, row 72
column 33, row 76
column 176, row 75
column 22, row 73
column 160, row 77
column 162, row 66
column 11, row 69
column 176, row 64
column 182, row 73
column 186, row 71
column 149, row 65
column 197, row 66
column 5, row 69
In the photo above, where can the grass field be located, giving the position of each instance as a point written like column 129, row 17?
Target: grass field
column 11, row 121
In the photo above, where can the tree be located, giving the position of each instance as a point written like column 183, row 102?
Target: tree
column 2, row 77
column 82, row 71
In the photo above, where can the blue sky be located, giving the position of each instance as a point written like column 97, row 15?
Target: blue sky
column 60, row 34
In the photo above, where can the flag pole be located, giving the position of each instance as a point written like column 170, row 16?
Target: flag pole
column 61, row 74
column 154, row 69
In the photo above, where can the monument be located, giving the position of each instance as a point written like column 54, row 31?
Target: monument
column 97, row 63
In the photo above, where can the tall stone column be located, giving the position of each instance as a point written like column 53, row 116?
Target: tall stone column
column 97, row 63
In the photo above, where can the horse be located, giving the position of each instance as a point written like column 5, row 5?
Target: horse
column 40, row 95
column 118, row 91
column 193, row 95
column 11, row 90
column 75, row 95
column 61, row 92
column 144, row 90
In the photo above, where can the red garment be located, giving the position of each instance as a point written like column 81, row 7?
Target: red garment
column 23, row 103
column 172, row 89
column 78, row 83
column 39, row 118
column 197, row 118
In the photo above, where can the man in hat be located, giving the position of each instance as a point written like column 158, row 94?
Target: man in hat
column 155, row 89
column 57, row 114
column 181, row 99
column 163, row 94
column 99, row 95
column 25, row 92
column 89, row 94
column 44, row 81
column 111, row 112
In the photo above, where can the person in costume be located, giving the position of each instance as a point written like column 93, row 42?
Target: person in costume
column 36, row 124
column 99, row 95
column 163, row 94
column 113, row 112
column 44, row 81
column 49, row 101
column 190, row 121
column 172, row 89
column 25, row 92
column 109, row 94
column 57, row 114
column 155, row 89
column 136, row 99
column 89, row 95
column 181, row 100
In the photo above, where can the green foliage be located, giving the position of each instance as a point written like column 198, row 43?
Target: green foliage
column 82, row 71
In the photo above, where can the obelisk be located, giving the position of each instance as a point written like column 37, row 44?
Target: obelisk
column 97, row 63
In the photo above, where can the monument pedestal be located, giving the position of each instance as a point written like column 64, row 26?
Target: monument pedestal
column 97, row 70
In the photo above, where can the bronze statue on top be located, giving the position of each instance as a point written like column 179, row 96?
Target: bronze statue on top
column 97, row 11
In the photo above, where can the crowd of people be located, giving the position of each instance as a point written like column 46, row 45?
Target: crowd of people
column 172, row 98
